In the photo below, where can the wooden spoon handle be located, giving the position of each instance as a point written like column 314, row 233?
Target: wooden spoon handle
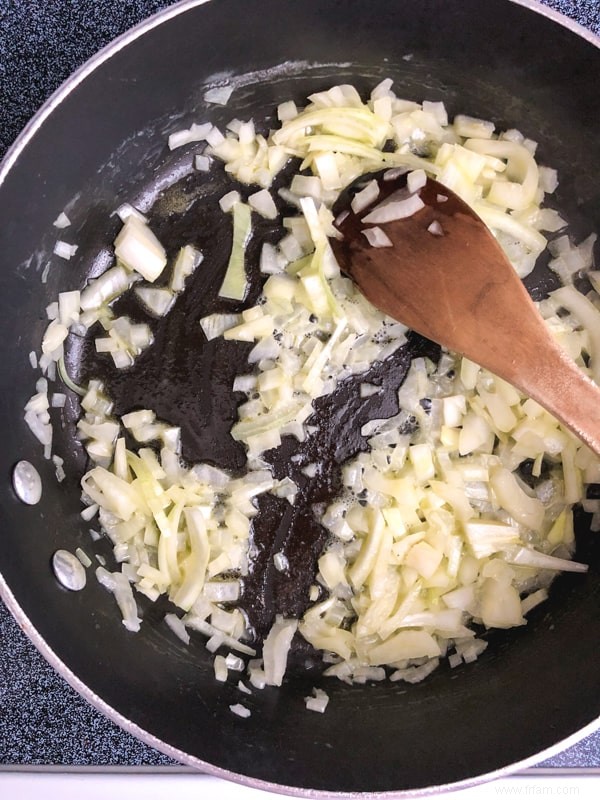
column 544, row 371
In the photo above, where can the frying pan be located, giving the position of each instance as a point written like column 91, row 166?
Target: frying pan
column 99, row 142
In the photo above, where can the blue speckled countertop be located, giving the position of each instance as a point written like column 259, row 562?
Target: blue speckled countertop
column 43, row 720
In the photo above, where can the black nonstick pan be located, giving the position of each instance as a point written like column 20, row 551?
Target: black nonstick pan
column 101, row 142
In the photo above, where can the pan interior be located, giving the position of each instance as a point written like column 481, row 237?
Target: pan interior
column 533, row 686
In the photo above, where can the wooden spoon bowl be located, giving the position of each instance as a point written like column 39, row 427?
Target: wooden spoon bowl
column 458, row 288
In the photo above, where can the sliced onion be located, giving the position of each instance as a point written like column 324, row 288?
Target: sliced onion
column 235, row 284
column 219, row 95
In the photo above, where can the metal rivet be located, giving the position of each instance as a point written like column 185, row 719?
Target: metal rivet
column 27, row 483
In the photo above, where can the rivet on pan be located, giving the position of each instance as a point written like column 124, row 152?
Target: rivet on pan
column 27, row 483
column 69, row 571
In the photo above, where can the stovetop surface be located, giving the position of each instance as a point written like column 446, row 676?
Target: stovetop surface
column 43, row 721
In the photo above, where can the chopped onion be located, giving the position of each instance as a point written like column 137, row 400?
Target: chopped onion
column 388, row 211
column 287, row 111
column 62, row 221
column 240, row 710
column 219, row 95
column 377, row 237
column 416, row 180
column 178, row 627
column 202, row 163
column 157, row 301
column 365, row 197
column 263, row 204
column 196, row 133
column 119, row 586
column 186, row 262
column 68, row 307
column 109, row 285
column 139, row 249
column 318, row 702
column 65, row 250
column 281, row 562
column 215, row 325
column 229, row 200
column 436, row 229
column 127, row 210
column 276, row 648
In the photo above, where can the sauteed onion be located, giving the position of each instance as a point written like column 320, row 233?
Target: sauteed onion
column 458, row 515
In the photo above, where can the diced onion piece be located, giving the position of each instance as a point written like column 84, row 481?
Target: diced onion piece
column 416, row 180
column 500, row 605
column 178, row 627
column 62, row 221
column 287, row 111
column 548, row 179
column 127, row 210
column 405, row 645
column 511, row 194
column 377, row 237
column 263, row 204
column 471, row 127
column 109, row 285
column 220, row 667
column 281, row 562
column 68, row 308
column 157, row 301
column 219, row 95
column 119, row 586
column 229, row 200
column 435, row 228
column 215, row 325
column 365, row 197
column 239, row 710
column 139, row 249
column 196, row 133
column 202, row 163
column 388, row 211
column 318, row 702
column 214, row 137
column 186, row 262
column 55, row 335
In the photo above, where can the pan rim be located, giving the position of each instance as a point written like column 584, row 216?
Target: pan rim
column 7, row 163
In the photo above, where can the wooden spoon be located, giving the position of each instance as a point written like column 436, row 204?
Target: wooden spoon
column 460, row 290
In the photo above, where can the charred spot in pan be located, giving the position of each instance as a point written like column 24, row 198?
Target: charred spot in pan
column 295, row 530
